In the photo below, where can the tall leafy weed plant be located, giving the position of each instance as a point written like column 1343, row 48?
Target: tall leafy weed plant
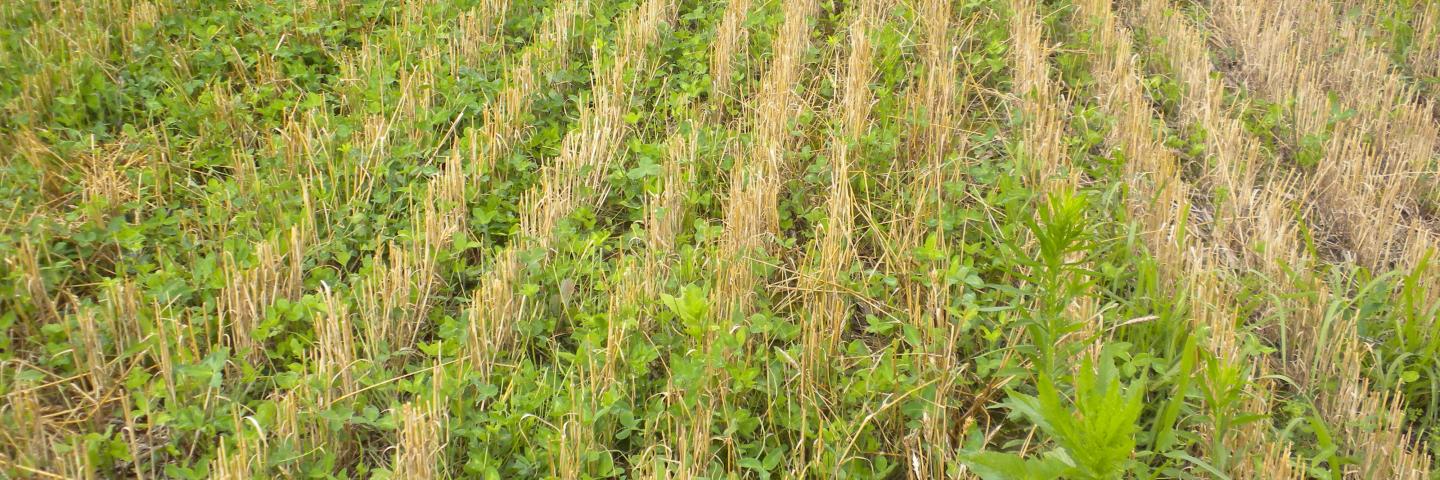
column 1093, row 432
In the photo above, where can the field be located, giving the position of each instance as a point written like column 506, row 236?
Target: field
column 703, row 239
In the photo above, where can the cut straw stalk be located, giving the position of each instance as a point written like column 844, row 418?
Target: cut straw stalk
column 1039, row 104
column 421, row 444
column 1387, row 450
column 575, row 179
column 1374, row 166
column 933, row 142
column 730, row 37
column 248, row 292
column 578, row 179
column 1159, row 200
column 751, row 214
column 834, row 251
column 494, row 306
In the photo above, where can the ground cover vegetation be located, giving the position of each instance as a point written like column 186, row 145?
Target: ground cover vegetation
column 691, row 239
